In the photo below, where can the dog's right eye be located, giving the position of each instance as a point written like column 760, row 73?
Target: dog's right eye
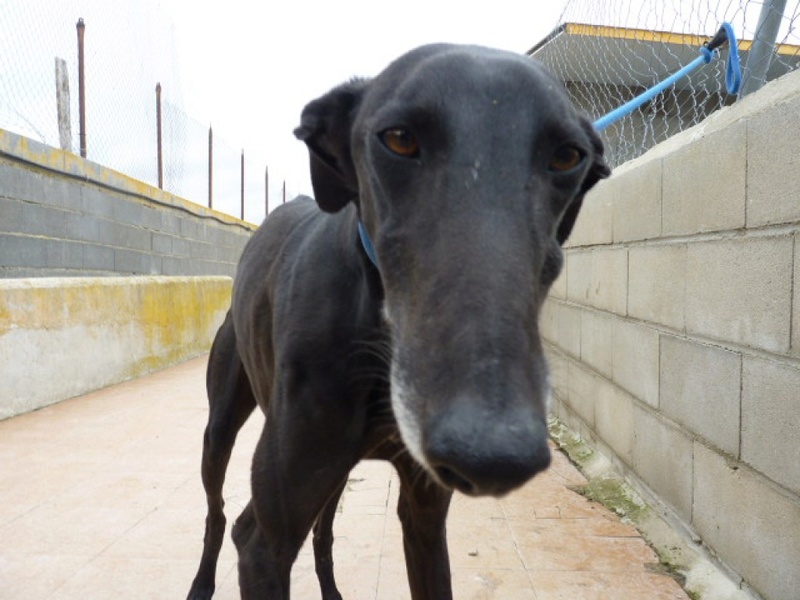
column 400, row 141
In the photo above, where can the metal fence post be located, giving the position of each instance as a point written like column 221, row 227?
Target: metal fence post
column 158, row 135
column 266, row 190
column 62, row 105
column 242, row 209
column 81, row 26
column 755, row 72
column 210, row 168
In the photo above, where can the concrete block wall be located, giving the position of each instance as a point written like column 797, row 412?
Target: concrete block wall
column 61, row 215
column 61, row 337
column 674, row 332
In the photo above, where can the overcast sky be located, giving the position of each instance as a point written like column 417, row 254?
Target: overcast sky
column 250, row 67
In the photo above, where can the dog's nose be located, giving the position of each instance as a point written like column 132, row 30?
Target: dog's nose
column 491, row 456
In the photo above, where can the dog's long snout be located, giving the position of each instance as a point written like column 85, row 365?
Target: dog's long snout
column 483, row 454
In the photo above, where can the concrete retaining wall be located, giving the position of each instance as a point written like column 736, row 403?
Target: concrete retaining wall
column 674, row 331
column 61, row 337
column 61, row 215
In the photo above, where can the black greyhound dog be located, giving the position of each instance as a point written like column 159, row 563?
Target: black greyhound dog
column 464, row 168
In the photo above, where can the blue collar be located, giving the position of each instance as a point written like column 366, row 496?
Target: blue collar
column 367, row 244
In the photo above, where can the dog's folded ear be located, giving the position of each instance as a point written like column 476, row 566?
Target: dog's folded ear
column 325, row 127
column 599, row 170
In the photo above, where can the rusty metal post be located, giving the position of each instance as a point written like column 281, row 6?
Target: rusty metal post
column 158, row 135
column 81, row 88
column 210, row 168
column 266, row 190
column 242, row 211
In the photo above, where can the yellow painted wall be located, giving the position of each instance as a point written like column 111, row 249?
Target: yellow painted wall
column 61, row 337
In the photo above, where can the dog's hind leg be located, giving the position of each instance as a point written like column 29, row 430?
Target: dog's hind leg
column 323, row 546
column 422, row 508
column 231, row 402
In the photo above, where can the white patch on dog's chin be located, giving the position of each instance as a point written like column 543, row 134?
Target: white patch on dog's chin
column 407, row 422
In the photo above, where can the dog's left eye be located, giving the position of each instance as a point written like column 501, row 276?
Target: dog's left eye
column 400, row 142
column 565, row 159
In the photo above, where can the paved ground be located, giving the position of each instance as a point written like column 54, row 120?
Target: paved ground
column 100, row 497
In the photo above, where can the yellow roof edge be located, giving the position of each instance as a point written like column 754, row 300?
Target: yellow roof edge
column 667, row 37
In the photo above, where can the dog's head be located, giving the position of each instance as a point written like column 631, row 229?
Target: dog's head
column 468, row 167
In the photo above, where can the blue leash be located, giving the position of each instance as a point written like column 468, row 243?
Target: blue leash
column 367, row 244
column 733, row 76
column 733, row 80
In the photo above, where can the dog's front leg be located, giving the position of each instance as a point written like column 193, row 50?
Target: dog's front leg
column 422, row 509
column 323, row 547
column 300, row 462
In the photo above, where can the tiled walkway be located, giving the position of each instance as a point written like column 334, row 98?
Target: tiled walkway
column 100, row 497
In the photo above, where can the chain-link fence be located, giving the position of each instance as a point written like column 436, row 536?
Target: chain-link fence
column 609, row 51
column 128, row 50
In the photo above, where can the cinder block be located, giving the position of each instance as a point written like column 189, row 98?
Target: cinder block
column 599, row 278
column 582, row 387
column 741, row 291
column 559, row 371
column 96, row 201
column 637, row 202
column 22, row 251
column 662, row 457
column 596, row 341
column 771, row 420
column 231, row 256
column 136, row 263
column 561, row 325
column 657, row 284
column 45, row 220
column 131, row 237
column 557, row 290
column 13, row 215
column 203, row 251
column 98, row 258
column 172, row 266
column 635, row 360
column 21, row 183
column 703, row 194
column 773, row 165
column 614, row 423
column 63, row 255
column 128, row 212
column 594, row 223
column 236, row 237
column 171, row 223
column 190, row 227
column 579, row 275
column 796, row 299
column 200, row 267
column 215, row 234
column 751, row 525
column 33, row 218
column 161, row 244
column 700, row 389
column 61, row 192
column 86, row 228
